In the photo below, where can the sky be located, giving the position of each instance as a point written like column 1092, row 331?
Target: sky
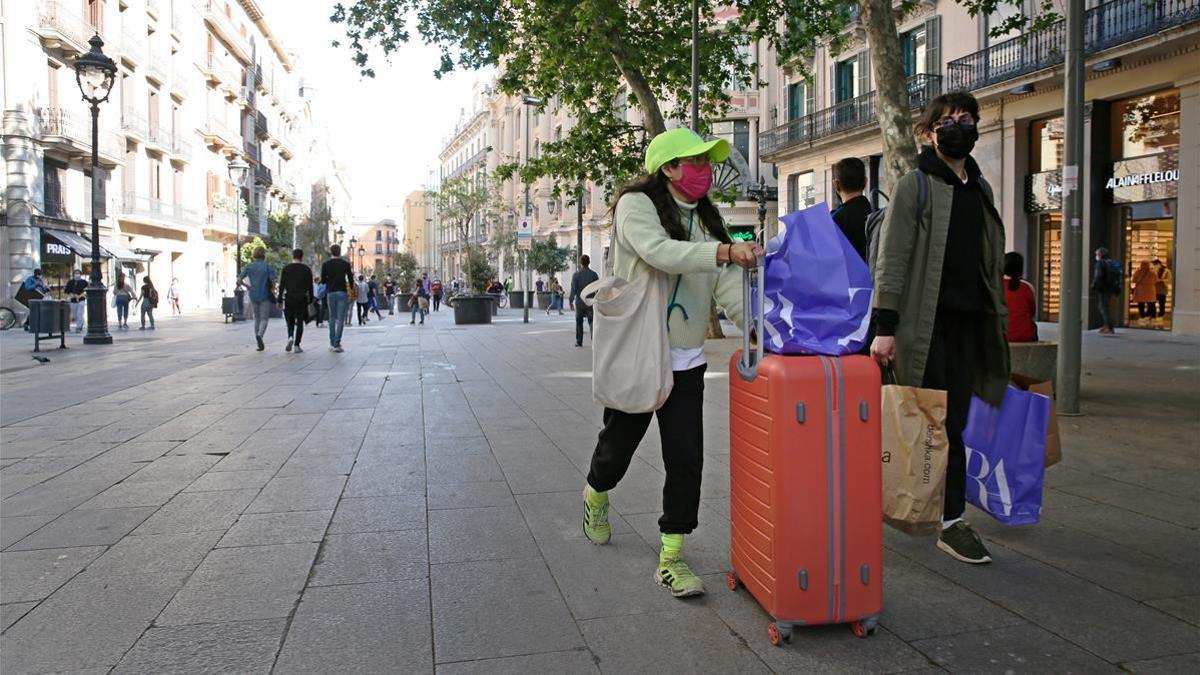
column 388, row 130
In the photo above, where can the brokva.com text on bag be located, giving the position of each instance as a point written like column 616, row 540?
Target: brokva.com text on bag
column 915, row 451
column 631, row 352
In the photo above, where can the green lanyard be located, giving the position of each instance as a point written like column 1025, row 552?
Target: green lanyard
column 672, row 306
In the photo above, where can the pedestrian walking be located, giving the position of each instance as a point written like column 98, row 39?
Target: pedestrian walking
column 362, row 298
column 666, row 221
column 540, row 285
column 149, row 302
column 556, row 296
column 338, row 277
column 1021, row 300
column 389, row 289
column 849, row 182
column 939, row 300
column 1162, row 287
column 417, row 300
column 173, row 297
column 123, row 295
column 580, row 281
column 376, row 293
column 76, row 292
column 1106, row 283
column 260, row 278
column 435, row 292
column 295, row 296
column 1145, row 285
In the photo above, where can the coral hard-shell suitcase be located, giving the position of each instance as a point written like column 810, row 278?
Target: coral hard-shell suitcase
column 805, row 486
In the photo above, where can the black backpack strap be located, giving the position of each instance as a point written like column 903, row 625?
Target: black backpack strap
column 922, row 193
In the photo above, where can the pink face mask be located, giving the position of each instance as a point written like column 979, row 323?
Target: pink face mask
column 695, row 181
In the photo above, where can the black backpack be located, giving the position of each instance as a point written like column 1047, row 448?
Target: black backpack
column 1113, row 276
column 875, row 220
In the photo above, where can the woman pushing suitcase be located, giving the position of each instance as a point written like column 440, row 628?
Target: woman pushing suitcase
column 666, row 221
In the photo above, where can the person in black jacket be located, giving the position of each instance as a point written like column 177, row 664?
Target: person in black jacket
column 295, row 294
column 580, row 281
column 76, row 291
column 849, row 181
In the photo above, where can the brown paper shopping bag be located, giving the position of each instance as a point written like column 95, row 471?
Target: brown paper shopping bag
column 915, row 450
column 1045, row 388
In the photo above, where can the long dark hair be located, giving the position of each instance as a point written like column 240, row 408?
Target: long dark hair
column 654, row 186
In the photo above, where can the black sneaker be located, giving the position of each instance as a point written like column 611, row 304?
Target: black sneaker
column 261, row 346
column 964, row 544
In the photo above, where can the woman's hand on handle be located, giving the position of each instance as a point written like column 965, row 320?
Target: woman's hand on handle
column 745, row 254
column 883, row 349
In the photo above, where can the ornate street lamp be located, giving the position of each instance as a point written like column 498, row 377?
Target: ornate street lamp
column 238, row 171
column 95, row 72
column 350, row 252
column 362, row 266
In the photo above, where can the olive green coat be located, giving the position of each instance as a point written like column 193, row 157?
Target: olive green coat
column 908, row 276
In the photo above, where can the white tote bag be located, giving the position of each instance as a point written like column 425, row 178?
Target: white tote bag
column 631, row 353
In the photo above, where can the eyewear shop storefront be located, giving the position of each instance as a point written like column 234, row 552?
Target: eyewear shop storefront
column 1131, row 197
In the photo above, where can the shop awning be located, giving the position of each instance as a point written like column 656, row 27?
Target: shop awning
column 120, row 252
column 76, row 242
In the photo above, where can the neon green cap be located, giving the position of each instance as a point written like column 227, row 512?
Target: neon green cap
column 681, row 142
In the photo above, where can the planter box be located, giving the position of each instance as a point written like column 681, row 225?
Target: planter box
column 543, row 300
column 473, row 309
column 516, row 299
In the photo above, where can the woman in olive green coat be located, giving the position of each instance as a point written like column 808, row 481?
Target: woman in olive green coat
column 940, row 311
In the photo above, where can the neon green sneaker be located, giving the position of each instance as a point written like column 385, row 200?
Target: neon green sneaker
column 675, row 575
column 595, row 516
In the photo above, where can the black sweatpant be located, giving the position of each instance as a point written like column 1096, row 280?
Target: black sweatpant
column 363, row 311
column 294, row 313
column 582, row 311
column 954, row 351
column 681, row 429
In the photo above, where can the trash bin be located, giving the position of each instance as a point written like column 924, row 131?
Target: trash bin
column 229, row 307
column 49, row 319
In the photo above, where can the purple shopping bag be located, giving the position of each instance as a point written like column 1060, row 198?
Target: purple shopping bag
column 1006, row 456
column 818, row 291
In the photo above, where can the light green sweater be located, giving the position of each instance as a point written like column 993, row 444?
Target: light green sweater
column 640, row 240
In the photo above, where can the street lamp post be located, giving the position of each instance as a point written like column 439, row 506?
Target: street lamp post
column 763, row 193
column 238, row 170
column 94, row 72
column 529, row 101
column 350, row 252
column 362, row 265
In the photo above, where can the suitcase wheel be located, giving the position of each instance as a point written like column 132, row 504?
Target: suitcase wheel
column 732, row 581
column 779, row 633
column 864, row 627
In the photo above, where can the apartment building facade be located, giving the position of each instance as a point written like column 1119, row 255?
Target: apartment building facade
column 378, row 242
column 1142, row 135
column 199, row 83
column 417, row 236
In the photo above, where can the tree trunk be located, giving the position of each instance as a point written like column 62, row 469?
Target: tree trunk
column 647, row 101
column 891, row 91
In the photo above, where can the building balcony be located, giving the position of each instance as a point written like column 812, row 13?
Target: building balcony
column 252, row 150
column 1105, row 26
column 472, row 162
column 181, row 148
column 156, row 69
column 258, row 77
column 133, row 124
column 59, row 28
column 158, row 138
column 217, row 16
column 221, row 218
column 844, row 116
column 262, row 175
column 133, row 47
column 71, row 136
column 213, row 68
column 282, row 143
column 260, row 125
column 245, row 97
column 157, row 211
column 181, row 84
column 219, row 136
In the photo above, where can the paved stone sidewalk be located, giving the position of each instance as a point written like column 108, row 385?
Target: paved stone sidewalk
column 180, row 503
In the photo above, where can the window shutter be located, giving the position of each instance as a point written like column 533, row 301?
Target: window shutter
column 864, row 72
column 810, row 93
column 832, row 84
column 933, row 46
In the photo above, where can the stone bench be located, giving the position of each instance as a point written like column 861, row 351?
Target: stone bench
column 1038, row 360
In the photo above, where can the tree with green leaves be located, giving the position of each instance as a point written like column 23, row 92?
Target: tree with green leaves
column 547, row 257
column 465, row 203
column 504, row 247
column 406, row 270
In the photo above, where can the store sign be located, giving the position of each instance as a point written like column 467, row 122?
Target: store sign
column 1043, row 191
column 1143, row 179
column 54, row 251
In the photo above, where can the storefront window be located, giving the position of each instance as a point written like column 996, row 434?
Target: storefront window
column 1149, row 263
column 1146, row 125
column 1050, row 269
column 1048, row 145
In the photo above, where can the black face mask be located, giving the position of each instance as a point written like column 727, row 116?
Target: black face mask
column 955, row 141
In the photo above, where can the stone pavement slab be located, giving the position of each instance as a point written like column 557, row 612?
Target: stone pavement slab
column 414, row 505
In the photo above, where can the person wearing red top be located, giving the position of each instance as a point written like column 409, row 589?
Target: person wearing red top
column 1022, row 301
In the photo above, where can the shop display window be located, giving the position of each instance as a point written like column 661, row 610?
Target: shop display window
column 1050, row 272
column 1049, row 146
column 1149, row 263
column 1145, row 125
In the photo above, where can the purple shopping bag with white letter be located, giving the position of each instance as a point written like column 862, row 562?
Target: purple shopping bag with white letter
column 1006, row 456
column 818, row 291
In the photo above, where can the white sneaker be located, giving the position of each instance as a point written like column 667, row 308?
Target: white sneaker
column 338, row 349
column 298, row 350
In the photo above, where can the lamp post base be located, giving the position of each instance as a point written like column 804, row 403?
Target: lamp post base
column 97, row 315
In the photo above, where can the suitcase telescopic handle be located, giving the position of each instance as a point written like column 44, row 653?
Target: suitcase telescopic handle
column 748, row 363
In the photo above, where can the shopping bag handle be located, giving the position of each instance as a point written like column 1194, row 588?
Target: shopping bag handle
column 748, row 363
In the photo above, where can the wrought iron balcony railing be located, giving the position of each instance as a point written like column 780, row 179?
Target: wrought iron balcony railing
column 56, row 23
column 262, row 175
column 844, row 116
column 149, row 207
column 133, row 123
column 1105, row 26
